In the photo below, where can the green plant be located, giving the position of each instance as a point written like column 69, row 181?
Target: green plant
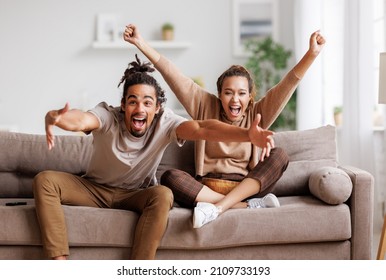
column 167, row 26
column 338, row 117
column 267, row 62
column 338, row 110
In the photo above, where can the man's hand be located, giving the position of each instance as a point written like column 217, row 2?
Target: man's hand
column 261, row 138
column 52, row 118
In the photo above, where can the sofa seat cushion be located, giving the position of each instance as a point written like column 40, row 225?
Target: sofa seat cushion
column 86, row 226
column 300, row 219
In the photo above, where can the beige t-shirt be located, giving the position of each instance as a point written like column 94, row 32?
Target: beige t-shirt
column 121, row 160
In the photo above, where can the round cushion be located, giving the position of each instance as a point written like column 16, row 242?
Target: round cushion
column 331, row 185
column 220, row 185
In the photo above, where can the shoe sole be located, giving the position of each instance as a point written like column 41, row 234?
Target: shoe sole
column 195, row 224
column 274, row 199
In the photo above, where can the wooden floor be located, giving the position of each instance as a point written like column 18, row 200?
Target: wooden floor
column 380, row 247
column 378, row 227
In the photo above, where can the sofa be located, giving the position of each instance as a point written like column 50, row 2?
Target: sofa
column 326, row 209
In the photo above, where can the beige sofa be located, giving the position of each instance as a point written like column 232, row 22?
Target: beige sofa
column 326, row 211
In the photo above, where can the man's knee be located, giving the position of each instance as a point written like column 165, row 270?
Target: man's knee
column 41, row 180
column 163, row 194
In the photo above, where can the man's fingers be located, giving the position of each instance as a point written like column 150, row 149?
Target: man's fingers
column 64, row 109
column 50, row 141
column 50, row 138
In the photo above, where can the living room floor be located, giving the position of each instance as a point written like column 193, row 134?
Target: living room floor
column 376, row 238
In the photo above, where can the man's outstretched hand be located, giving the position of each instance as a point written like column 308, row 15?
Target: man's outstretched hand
column 52, row 118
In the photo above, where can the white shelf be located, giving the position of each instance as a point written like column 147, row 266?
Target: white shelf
column 154, row 44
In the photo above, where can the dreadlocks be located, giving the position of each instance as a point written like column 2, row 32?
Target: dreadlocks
column 138, row 73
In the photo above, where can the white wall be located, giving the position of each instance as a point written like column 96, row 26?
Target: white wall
column 46, row 57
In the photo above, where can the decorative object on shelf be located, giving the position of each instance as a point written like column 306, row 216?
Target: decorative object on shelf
column 338, row 115
column 382, row 78
column 107, row 29
column 253, row 19
column 167, row 31
column 267, row 62
column 160, row 44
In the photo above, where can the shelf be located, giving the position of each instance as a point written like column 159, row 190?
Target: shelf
column 154, row 44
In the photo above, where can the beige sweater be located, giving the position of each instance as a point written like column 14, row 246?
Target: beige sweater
column 213, row 157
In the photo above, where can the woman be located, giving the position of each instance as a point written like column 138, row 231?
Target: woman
column 234, row 163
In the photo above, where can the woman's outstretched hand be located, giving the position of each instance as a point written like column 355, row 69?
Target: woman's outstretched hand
column 317, row 42
column 131, row 34
column 261, row 138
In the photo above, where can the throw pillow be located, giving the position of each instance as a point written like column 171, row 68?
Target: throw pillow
column 331, row 185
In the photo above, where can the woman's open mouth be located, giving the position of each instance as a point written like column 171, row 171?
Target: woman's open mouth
column 234, row 110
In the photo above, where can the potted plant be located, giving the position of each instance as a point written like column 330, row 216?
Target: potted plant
column 167, row 31
column 338, row 115
column 267, row 62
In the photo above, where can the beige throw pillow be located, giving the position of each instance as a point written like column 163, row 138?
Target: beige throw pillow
column 331, row 185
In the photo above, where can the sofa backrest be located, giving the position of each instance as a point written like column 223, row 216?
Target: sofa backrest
column 23, row 155
column 308, row 150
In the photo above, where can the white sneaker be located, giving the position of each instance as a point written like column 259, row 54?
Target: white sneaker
column 268, row 201
column 204, row 213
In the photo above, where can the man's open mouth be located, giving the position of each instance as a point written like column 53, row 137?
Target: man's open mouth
column 139, row 122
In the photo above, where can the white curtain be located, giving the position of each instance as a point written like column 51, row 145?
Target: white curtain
column 310, row 103
column 349, row 48
column 356, row 146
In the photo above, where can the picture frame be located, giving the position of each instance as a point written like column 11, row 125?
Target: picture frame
column 107, row 28
column 253, row 19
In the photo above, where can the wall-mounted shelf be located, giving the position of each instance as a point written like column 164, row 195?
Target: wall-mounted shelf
column 154, row 44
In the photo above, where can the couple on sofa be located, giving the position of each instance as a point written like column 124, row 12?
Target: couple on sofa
column 129, row 141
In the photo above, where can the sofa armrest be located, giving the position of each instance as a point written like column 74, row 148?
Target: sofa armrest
column 361, row 203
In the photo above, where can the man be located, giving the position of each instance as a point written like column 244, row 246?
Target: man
column 128, row 144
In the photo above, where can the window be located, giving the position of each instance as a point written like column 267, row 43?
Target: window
column 379, row 46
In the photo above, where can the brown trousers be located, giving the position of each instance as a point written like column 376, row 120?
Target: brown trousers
column 52, row 188
column 186, row 188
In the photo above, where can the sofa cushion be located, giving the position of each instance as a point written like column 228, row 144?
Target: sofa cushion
column 299, row 220
column 177, row 157
column 331, row 185
column 24, row 155
column 29, row 153
column 308, row 150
